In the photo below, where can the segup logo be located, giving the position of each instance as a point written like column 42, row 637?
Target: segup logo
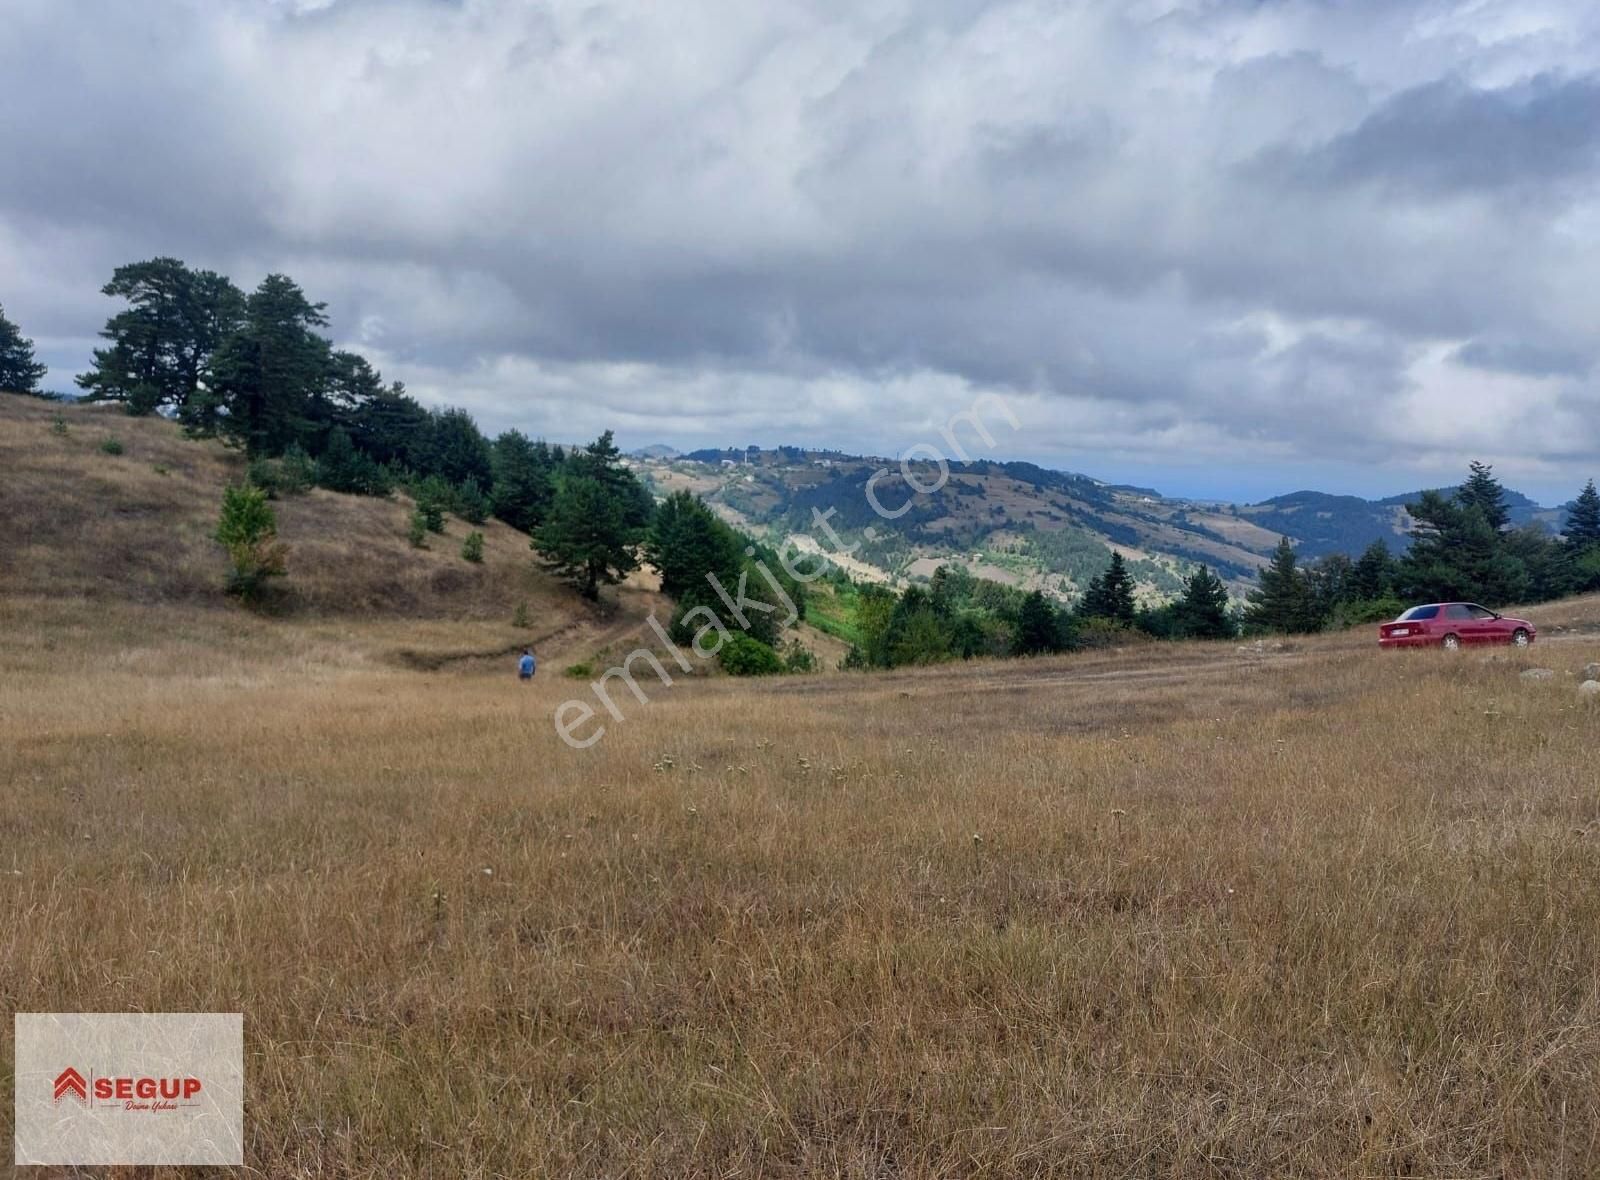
column 153, row 1094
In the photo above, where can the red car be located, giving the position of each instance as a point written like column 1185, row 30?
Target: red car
column 1450, row 624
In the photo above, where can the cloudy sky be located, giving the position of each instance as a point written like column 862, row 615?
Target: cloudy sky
column 1228, row 247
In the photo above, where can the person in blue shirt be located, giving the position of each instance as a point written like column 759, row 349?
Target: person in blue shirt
column 526, row 665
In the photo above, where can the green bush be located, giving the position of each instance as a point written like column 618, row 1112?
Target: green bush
column 263, row 473
column 111, row 445
column 58, row 425
column 797, row 657
column 342, row 468
column 744, row 656
column 288, row 476
column 296, row 471
column 520, row 618
column 249, row 531
column 472, row 548
column 579, row 671
column 1093, row 633
column 471, row 503
column 1365, row 611
column 433, row 496
column 417, row 534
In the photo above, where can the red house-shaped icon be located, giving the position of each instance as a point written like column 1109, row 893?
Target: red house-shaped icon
column 70, row 1081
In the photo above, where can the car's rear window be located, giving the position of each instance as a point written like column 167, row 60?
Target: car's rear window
column 1420, row 612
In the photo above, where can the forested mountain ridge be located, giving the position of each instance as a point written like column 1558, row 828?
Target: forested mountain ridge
column 1028, row 525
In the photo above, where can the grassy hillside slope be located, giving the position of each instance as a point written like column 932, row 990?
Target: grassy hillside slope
column 84, row 530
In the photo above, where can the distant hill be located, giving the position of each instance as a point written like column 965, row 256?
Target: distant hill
column 1028, row 525
column 654, row 451
column 1321, row 524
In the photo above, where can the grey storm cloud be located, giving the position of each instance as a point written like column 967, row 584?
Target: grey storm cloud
column 1161, row 225
column 1449, row 137
column 1523, row 357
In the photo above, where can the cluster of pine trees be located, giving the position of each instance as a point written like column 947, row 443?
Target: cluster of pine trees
column 730, row 593
column 1463, row 549
column 19, row 370
column 255, row 370
column 959, row 616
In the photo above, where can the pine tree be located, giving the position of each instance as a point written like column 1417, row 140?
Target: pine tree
column 342, row 468
column 456, row 450
column 601, row 461
column 1583, row 520
column 352, row 385
column 471, row 502
column 1331, row 579
column 210, row 310
column 1110, row 595
column 161, row 345
column 19, row 372
column 1483, row 491
column 1373, row 575
column 266, row 375
column 388, row 424
column 586, row 538
column 1037, row 628
column 1281, row 600
column 1093, row 603
column 1458, row 555
column 687, row 542
column 1430, row 571
column 1203, row 610
column 433, row 497
column 523, row 480
column 1549, row 569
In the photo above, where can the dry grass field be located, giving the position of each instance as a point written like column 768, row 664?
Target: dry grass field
column 1179, row 911
column 1184, row 911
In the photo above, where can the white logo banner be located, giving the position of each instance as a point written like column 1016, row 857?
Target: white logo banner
column 130, row 1088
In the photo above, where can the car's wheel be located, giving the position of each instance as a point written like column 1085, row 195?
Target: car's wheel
column 1450, row 642
column 1519, row 638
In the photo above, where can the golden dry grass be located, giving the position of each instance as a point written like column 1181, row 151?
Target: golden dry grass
column 1180, row 911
